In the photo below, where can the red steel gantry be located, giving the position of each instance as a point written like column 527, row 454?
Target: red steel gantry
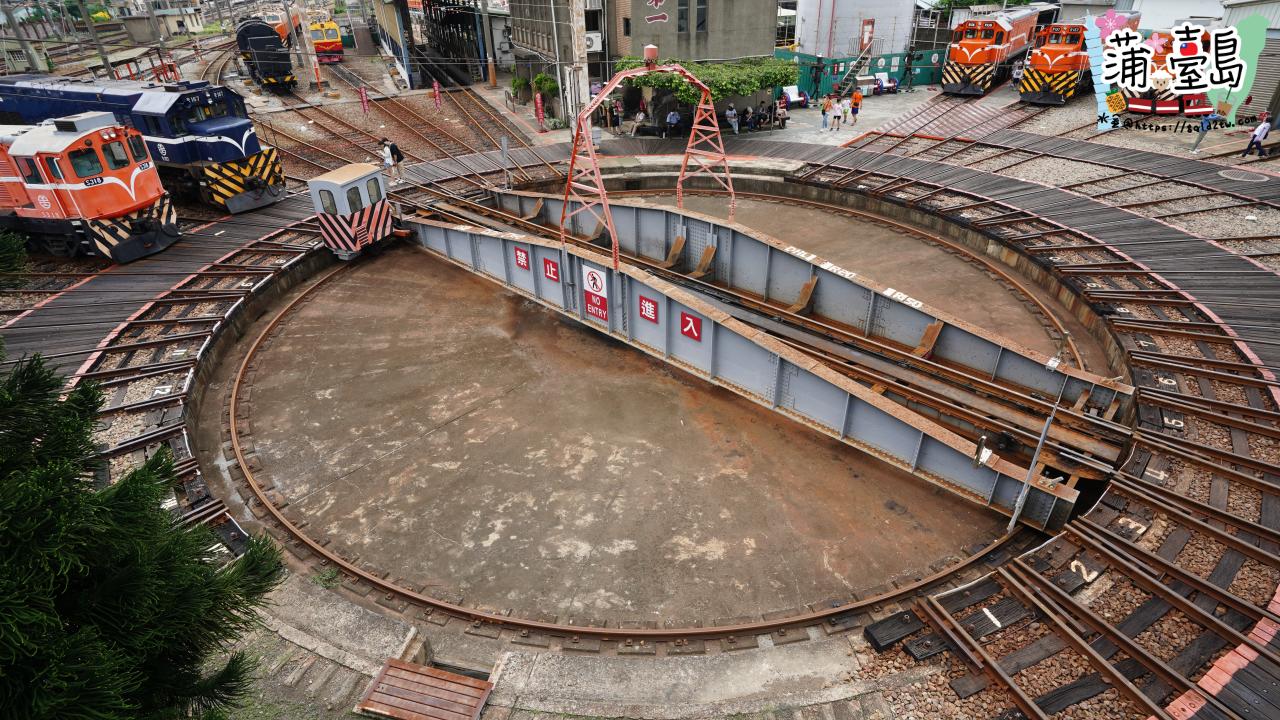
column 703, row 154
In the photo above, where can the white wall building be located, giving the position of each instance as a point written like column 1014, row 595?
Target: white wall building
column 832, row 28
column 1164, row 14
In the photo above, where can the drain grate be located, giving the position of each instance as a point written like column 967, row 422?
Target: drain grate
column 1243, row 176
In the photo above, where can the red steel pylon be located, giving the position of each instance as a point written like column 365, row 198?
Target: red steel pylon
column 585, row 186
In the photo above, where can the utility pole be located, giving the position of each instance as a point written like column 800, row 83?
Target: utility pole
column 304, row 45
column 33, row 60
column 488, row 43
column 93, row 31
column 154, row 23
column 578, row 71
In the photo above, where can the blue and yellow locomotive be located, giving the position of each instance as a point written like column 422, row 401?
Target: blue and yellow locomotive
column 200, row 135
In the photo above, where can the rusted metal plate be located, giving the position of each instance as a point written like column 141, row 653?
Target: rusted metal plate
column 408, row 691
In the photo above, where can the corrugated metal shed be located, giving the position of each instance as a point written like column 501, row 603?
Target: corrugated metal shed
column 1266, row 84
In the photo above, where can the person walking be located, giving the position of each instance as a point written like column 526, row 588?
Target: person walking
column 826, row 111
column 845, row 105
column 391, row 159
column 673, row 122
column 1206, row 124
column 1259, row 134
column 731, row 117
column 1016, row 75
column 837, row 114
column 855, row 104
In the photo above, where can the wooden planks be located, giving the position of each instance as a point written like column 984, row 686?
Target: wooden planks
column 408, row 691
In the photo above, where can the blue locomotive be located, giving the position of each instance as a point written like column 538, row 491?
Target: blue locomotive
column 200, row 135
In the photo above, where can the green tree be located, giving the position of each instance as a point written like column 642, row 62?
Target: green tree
column 727, row 79
column 108, row 609
column 13, row 257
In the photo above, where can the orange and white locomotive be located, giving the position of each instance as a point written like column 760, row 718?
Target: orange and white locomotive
column 84, row 185
column 983, row 48
column 1058, row 66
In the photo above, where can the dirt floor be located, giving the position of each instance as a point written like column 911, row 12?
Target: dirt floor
column 461, row 438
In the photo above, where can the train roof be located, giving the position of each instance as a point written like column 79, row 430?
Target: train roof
column 345, row 174
column 148, row 98
column 53, row 136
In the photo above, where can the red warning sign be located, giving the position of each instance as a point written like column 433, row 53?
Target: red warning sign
column 595, row 292
column 691, row 326
column 649, row 309
column 522, row 258
column 550, row 270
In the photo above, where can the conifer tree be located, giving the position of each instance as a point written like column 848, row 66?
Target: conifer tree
column 108, row 608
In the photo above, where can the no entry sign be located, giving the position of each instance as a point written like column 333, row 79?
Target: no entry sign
column 522, row 258
column 595, row 293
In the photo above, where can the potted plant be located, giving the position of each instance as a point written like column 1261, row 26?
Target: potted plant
column 520, row 88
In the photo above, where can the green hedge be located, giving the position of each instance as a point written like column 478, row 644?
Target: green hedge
column 740, row 77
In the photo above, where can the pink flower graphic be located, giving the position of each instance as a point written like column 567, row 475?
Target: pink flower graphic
column 1109, row 23
column 1156, row 43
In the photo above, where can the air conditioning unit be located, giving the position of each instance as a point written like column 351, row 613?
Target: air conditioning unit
column 595, row 42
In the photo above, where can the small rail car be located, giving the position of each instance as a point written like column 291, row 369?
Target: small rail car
column 352, row 208
column 199, row 135
column 265, row 55
column 1058, row 66
column 84, row 185
column 983, row 48
column 1160, row 99
column 327, row 40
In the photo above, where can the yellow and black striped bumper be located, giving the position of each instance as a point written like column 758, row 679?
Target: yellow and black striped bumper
column 138, row 234
column 960, row 79
column 1041, row 88
column 254, row 182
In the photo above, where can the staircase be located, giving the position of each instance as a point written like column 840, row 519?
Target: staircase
column 851, row 77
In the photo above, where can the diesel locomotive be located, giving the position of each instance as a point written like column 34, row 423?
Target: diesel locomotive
column 266, row 54
column 983, row 48
column 1058, row 67
column 199, row 135
column 84, row 184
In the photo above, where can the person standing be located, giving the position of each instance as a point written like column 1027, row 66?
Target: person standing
column 836, row 115
column 845, row 105
column 1206, row 123
column 1259, row 134
column 673, row 122
column 391, row 159
column 731, row 116
column 826, row 111
column 1017, row 75
column 617, row 117
column 855, row 104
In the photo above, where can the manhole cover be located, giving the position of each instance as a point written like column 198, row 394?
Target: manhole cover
column 1243, row 175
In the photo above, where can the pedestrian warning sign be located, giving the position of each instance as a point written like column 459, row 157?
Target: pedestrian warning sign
column 595, row 292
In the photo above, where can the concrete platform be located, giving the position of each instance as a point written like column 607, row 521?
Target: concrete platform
column 465, row 440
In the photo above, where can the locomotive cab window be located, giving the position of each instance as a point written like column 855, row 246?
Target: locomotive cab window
column 1040, row 40
column 970, row 34
column 331, row 34
column 1000, row 37
column 1073, row 39
column 116, row 157
column 326, row 201
column 317, row 35
column 30, row 171
column 375, row 190
column 139, row 147
column 353, row 199
column 988, row 34
column 55, row 170
column 1055, row 39
column 85, row 162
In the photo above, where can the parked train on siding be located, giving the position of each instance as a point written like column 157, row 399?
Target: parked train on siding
column 983, row 48
column 1058, row 66
column 265, row 54
column 199, row 135
column 327, row 40
column 84, row 185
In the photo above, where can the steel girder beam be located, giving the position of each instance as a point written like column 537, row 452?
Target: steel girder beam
column 762, row 266
column 675, row 325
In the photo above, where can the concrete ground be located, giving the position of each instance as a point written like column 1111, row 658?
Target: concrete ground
column 466, row 440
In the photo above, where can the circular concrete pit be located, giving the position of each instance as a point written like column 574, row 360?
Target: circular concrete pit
column 466, row 441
